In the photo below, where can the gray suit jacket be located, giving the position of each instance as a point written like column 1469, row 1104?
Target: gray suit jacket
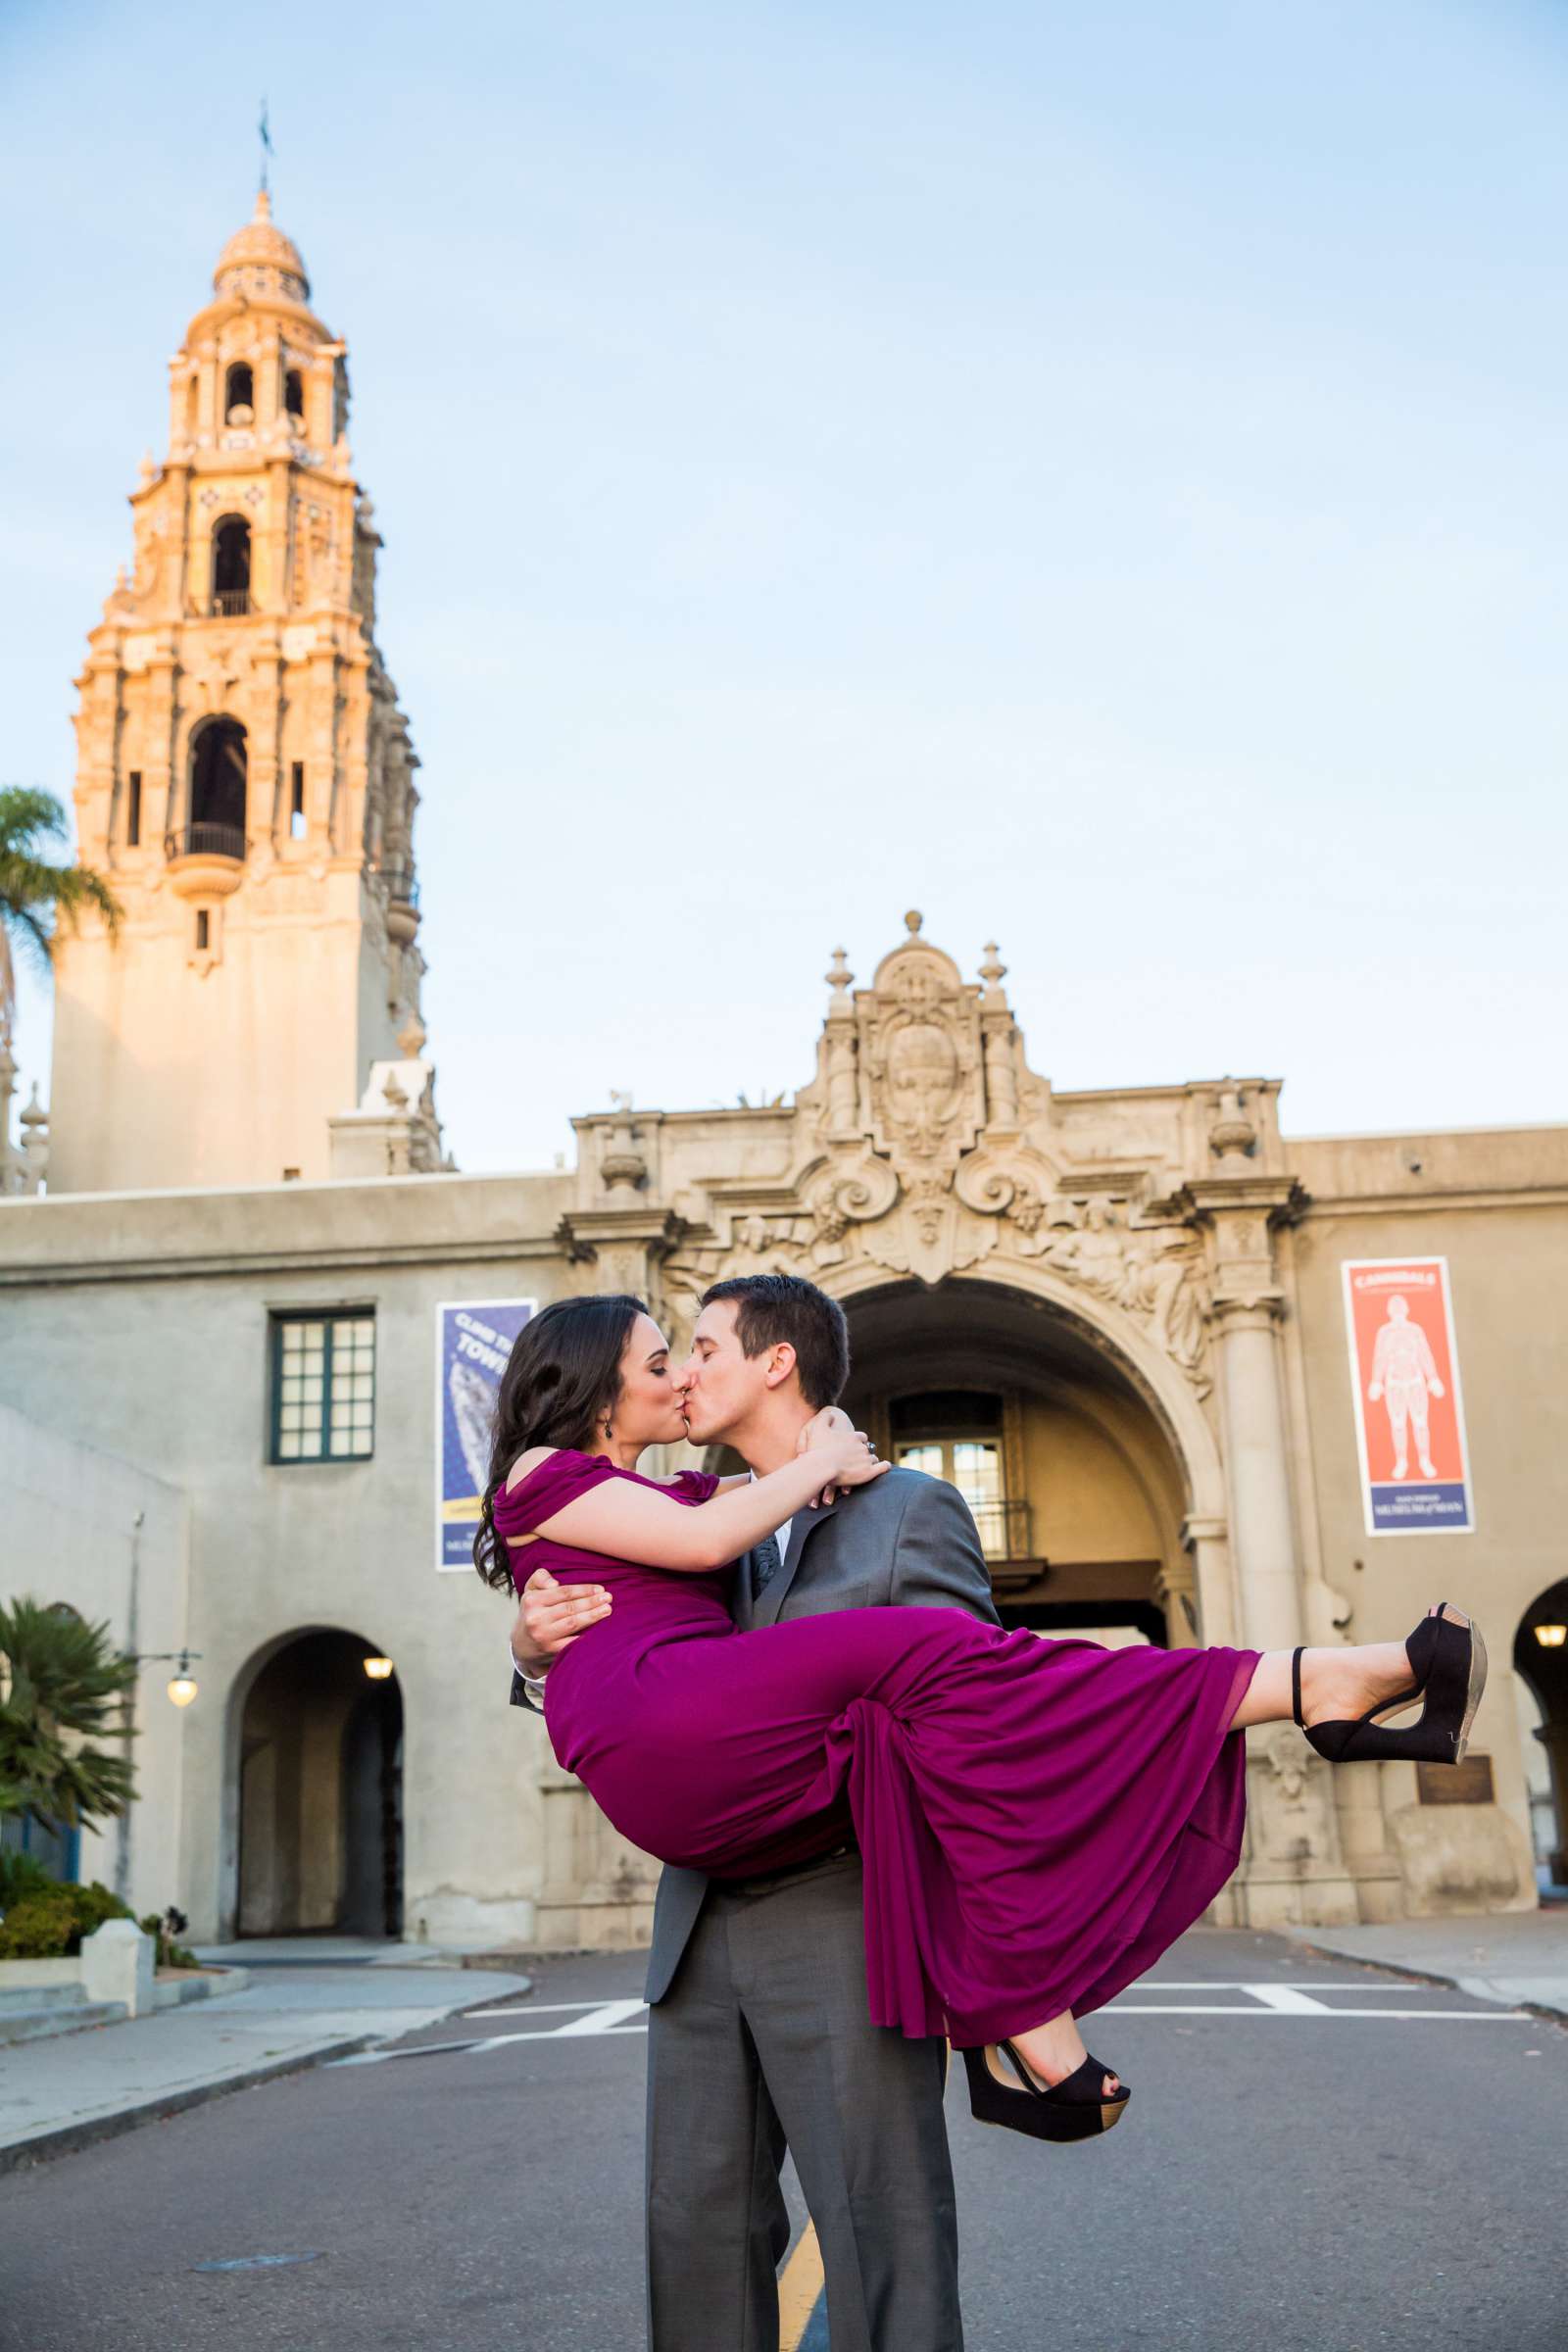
column 904, row 1542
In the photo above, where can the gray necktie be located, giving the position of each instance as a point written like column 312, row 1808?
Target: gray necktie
column 766, row 1561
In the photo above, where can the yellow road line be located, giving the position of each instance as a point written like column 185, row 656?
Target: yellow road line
column 798, row 2290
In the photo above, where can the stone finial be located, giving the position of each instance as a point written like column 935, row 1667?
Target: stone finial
column 839, row 980
column 623, row 1167
column 912, row 922
column 993, row 972
column 412, row 1038
column 1232, row 1134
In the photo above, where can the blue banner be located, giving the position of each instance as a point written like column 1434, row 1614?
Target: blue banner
column 473, row 1340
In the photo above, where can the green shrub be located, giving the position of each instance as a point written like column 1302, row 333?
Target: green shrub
column 46, row 1919
column 92, row 1905
column 60, row 1913
column 21, row 1874
column 38, row 1927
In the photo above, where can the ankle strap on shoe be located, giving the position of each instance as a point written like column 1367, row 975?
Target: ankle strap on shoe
column 1296, row 1687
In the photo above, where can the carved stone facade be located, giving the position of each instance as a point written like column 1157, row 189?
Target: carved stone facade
column 925, row 1147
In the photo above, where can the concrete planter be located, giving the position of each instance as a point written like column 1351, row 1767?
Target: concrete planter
column 111, row 1977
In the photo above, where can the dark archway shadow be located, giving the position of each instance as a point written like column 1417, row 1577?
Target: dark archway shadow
column 320, row 1770
column 1543, row 1665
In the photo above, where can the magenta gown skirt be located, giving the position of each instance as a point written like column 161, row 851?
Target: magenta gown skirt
column 1038, row 1820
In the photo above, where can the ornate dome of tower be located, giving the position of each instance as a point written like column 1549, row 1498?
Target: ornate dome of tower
column 260, row 260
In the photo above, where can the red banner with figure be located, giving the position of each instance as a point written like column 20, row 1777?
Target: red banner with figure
column 1410, row 1413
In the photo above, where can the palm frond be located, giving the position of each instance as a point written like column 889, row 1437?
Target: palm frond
column 35, row 893
column 29, row 817
column 68, row 1687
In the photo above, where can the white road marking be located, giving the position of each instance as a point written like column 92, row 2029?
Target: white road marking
column 603, row 2019
column 1485, row 2017
column 538, row 2008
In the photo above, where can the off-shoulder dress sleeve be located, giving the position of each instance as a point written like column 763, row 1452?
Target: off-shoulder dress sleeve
column 695, row 1486
column 548, row 1489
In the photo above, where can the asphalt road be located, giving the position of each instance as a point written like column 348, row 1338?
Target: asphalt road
column 1294, row 2174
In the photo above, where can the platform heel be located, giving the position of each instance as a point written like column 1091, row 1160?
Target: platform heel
column 1448, row 1666
column 1004, row 2090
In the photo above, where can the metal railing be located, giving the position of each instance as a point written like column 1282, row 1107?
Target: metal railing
column 1003, row 1529
column 231, row 604
column 206, row 841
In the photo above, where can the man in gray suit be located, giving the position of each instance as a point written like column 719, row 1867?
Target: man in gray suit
column 758, row 2032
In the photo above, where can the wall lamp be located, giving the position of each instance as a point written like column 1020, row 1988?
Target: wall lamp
column 183, row 1683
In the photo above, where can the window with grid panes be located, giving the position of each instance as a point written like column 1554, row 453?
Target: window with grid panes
column 957, row 1435
column 323, row 1388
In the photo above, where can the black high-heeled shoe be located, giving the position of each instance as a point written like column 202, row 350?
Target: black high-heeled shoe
column 1448, row 1661
column 1076, row 2108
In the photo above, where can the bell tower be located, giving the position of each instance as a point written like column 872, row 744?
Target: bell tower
column 245, row 781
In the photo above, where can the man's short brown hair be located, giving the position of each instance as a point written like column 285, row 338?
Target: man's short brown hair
column 774, row 1310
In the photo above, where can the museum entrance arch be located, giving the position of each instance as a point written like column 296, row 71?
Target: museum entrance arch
column 1078, row 1486
column 317, row 1786
column 1541, row 1660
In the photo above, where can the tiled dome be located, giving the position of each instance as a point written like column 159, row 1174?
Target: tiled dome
column 260, row 260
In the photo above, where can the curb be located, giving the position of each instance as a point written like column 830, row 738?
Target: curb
column 66, row 2139
column 1553, row 2014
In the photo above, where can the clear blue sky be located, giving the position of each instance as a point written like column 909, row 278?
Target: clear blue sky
column 1096, row 474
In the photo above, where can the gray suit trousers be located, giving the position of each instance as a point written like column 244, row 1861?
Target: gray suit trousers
column 763, row 2037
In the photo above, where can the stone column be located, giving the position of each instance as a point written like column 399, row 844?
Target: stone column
column 1205, row 1543
column 1257, row 1472
column 1240, row 1211
column 1295, row 1869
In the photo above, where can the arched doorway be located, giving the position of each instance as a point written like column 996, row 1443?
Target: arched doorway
column 1541, row 1660
column 218, row 782
column 1076, row 1486
column 320, row 1774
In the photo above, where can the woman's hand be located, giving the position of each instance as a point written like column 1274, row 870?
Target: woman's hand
column 831, row 1430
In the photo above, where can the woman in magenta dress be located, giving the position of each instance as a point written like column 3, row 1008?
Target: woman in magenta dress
column 1039, row 1819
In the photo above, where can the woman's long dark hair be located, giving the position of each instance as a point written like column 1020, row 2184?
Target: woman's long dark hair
column 560, row 1385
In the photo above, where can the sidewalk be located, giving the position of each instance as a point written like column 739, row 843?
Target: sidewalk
column 1517, row 1958
column 307, row 2001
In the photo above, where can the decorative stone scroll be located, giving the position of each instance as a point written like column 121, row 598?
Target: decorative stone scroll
column 935, row 1153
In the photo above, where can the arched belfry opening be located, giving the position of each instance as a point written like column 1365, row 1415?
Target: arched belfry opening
column 320, row 1767
column 239, row 394
column 1076, row 1486
column 232, row 566
column 218, row 782
column 1541, row 1662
